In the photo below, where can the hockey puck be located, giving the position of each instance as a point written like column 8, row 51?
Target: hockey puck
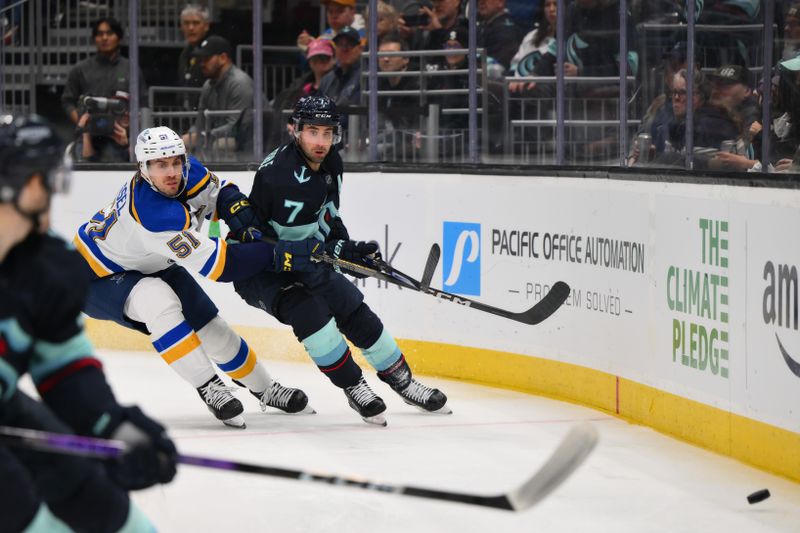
column 758, row 496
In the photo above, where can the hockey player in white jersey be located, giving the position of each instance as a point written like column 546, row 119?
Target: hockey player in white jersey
column 136, row 248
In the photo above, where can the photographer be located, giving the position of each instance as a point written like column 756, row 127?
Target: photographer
column 103, row 129
column 104, row 74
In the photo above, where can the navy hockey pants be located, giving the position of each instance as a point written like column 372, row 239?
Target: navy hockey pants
column 107, row 297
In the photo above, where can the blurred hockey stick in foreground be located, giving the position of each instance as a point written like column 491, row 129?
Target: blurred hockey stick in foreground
column 568, row 456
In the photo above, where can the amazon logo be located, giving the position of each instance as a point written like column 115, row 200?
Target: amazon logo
column 779, row 305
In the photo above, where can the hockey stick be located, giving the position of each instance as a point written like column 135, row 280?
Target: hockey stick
column 545, row 307
column 567, row 457
column 430, row 267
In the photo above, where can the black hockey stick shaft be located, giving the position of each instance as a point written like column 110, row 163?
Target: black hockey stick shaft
column 545, row 307
column 570, row 453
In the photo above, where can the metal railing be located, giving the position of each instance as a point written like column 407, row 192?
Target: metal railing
column 276, row 76
column 593, row 131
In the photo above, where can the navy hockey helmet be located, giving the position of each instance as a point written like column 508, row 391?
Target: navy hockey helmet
column 28, row 146
column 317, row 111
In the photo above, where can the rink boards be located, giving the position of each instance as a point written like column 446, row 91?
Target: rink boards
column 683, row 313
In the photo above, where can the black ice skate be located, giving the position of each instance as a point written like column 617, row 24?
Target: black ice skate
column 427, row 399
column 366, row 403
column 222, row 404
column 286, row 399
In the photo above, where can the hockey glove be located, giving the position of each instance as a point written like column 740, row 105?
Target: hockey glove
column 359, row 252
column 151, row 456
column 236, row 211
column 296, row 256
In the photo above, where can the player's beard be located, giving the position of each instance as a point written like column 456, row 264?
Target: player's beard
column 313, row 157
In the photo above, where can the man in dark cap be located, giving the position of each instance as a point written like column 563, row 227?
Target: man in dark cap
column 227, row 88
column 731, row 88
column 343, row 83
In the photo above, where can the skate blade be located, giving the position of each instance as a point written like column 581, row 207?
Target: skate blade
column 377, row 420
column 235, row 422
column 307, row 410
column 443, row 410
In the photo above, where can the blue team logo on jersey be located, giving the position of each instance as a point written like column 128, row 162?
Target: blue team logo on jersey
column 302, row 178
column 461, row 267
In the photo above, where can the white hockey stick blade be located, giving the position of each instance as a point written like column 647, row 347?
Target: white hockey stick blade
column 569, row 455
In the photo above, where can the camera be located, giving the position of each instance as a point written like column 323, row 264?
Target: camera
column 417, row 20
column 102, row 113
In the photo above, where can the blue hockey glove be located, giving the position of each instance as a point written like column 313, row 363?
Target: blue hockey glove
column 248, row 234
column 151, row 456
column 235, row 209
column 296, row 256
column 359, row 252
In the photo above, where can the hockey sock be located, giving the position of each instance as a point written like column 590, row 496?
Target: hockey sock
column 384, row 353
column 180, row 348
column 331, row 354
column 155, row 304
column 365, row 330
column 233, row 356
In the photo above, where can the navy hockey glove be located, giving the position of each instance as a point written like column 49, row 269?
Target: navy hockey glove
column 235, row 209
column 151, row 456
column 296, row 256
column 359, row 252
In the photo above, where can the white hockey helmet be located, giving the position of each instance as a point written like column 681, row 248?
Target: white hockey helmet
column 156, row 143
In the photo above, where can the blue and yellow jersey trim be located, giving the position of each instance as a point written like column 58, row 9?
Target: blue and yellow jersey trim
column 156, row 212
column 99, row 263
column 199, row 187
column 198, row 178
column 215, row 264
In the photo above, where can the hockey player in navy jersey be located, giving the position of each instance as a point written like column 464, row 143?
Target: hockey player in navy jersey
column 296, row 195
column 136, row 248
column 42, row 290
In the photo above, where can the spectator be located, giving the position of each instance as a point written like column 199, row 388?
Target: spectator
column 340, row 14
column 227, row 88
column 320, row 57
column 592, row 43
column 343, row 83
column 534, row 45
column 388, row 20
column 444, row 17
column 712, row 124
column 717, row 48
column 104, row 74
column 730, row 88
column 660, row 112
column 399, row 111
column 454, row 41
column 195, row 23
column 497, row 31
column 791, row 32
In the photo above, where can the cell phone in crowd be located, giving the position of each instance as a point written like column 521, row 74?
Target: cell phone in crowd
column 422, row 19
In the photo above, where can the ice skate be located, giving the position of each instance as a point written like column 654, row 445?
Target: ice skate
column 222, row 404
column 366, row 403
column 413, row 392
column 286, row 399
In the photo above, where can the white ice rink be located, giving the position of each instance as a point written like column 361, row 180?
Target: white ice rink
column 636, row 480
